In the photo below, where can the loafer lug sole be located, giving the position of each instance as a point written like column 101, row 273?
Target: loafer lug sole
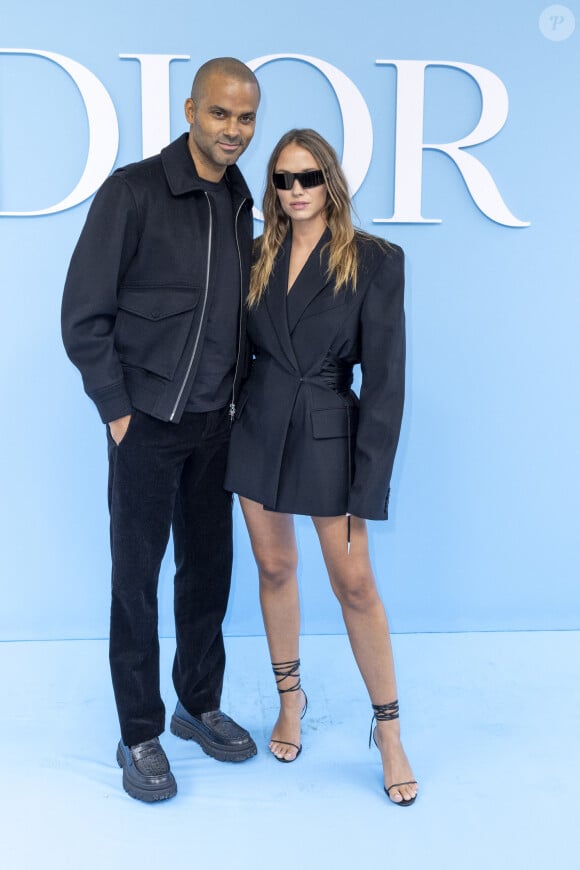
column 148, row 793
column 215, row 750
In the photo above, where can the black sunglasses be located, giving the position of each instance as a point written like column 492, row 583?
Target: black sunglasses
column 285, row 180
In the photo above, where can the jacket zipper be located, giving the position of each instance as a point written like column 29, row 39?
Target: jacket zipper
column 209, row 242
column 232, row 408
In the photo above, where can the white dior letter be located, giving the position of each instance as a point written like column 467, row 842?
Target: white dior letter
column 409, row 143
column 103, row 131
column 155, row 114
column 356, row 120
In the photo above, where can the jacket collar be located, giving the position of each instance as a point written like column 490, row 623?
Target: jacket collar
column 182, row 175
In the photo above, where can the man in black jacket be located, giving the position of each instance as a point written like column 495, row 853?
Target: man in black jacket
column 154, row 318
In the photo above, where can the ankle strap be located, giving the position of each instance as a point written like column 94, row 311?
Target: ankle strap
column 384, row 713
column 284, row 670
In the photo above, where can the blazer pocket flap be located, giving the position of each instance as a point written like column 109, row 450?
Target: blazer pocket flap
column 157, row 303
column 333, row 422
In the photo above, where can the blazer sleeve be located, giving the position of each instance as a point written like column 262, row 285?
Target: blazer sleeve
column 106, row 246
column 382, row 342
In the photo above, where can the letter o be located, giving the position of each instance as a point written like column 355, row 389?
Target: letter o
column 356, row 120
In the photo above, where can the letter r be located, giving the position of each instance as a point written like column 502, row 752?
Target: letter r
column 410, row 146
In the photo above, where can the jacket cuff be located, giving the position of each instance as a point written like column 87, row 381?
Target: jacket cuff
column 112, row 402
column 360, row 507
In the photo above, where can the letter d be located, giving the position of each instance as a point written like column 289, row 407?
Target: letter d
column 103, row 131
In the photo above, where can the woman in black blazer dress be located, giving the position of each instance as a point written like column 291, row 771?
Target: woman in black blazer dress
column 323, row 297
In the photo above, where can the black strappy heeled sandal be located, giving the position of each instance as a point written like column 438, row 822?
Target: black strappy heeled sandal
column 284, row 671
column 386, row 713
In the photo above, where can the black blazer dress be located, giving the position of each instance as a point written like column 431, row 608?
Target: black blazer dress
column 303, row 442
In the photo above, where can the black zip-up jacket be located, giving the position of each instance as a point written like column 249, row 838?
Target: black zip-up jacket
column 135, row 302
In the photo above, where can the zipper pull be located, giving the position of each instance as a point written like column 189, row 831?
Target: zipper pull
column 232, row 411
column 348, row 534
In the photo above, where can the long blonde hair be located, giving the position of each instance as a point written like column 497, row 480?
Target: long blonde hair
column 342, row 248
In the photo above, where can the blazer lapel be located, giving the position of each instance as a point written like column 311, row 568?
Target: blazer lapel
column 311, row 280
column 276, row 301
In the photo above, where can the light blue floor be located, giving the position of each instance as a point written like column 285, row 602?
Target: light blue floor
column 491, row 724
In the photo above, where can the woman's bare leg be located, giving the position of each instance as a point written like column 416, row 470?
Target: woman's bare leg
column 274, row 546
column 353, row 582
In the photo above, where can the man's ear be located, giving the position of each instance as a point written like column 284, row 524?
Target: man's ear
column 189, row 109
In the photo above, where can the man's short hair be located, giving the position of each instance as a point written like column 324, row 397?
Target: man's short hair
column 226, row 66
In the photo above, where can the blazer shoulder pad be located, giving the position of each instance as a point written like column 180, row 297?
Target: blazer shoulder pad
column 375, row 253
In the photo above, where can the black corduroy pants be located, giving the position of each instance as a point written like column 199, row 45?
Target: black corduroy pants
column 168, row 477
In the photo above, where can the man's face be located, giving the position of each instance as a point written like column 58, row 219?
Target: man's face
column 222, row 123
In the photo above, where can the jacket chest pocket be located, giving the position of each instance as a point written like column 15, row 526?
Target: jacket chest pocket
column 152, row 326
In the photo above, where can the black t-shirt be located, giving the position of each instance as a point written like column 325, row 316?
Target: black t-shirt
column 215, row 374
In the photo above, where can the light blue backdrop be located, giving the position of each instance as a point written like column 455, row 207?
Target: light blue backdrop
column 485, row 522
